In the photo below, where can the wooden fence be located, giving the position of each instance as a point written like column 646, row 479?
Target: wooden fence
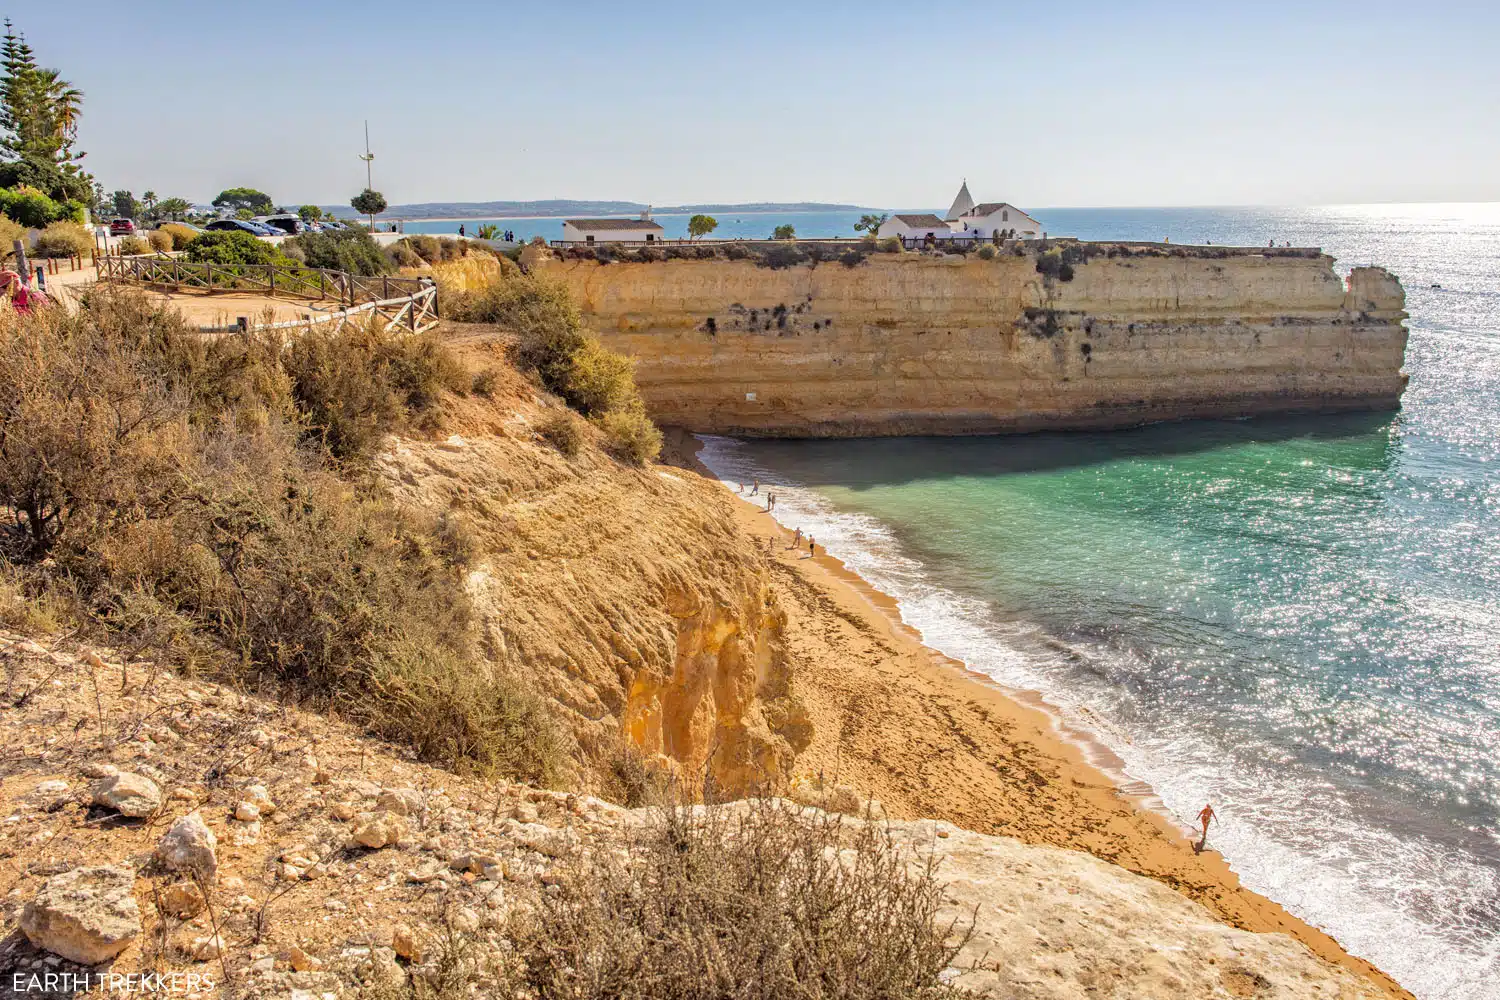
column 290, row 280
column 402, row 304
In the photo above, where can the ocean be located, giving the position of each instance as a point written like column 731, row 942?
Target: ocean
column 746, row 225
column 1295, row 618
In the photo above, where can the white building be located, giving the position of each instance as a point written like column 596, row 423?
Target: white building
column 997, row 217
column 641, row 230
column 961, row 205
column 918, row 227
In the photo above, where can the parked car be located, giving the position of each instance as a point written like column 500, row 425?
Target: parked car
column 285, row 225
column 122, row 227
column 241, row 226
column 333, row 224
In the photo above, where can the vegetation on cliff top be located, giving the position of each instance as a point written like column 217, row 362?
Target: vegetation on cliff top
column 206, row 503
column 567, row 359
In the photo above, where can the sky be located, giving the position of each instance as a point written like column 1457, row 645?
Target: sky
column 873, row 103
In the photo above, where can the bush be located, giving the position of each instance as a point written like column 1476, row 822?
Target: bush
column 736, row 251
column 159, row 478
column 987, row 252
column 564, row 430
column 597, row 379
column 852, row 258
column 754, row 901
column 133, row 245
column 160, row 242
column 348, row 250
column 30, row 207
column 10, row 231
column 404, row 255
column 181, row 235
column 782, row 256
column 232, row 247
column 64, row 239
column 358, row 385
column 784, row 232
column 484, row 383
column 631, row 435
column 891, row 244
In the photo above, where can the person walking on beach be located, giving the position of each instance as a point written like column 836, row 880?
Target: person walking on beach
column 797, row 539
column 1205, row 816
column 755, row 487
column 812, row 547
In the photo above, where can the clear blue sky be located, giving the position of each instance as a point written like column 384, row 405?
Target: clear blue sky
column 875, row 103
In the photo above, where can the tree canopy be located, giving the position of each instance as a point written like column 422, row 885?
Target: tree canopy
column 124, row 204
column 258, row 202
column 702, row 225
column 173, row 208
column 39, row 115
column 368, row 202
column 786, row 232
column 310, row 213
column 870, row 223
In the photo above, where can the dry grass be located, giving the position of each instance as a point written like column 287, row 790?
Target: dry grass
column 757, row 900
column 202, row 500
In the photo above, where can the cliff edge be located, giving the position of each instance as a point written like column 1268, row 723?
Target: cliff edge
column 948, row 344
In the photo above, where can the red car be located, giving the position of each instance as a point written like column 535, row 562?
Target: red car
column 122, row 227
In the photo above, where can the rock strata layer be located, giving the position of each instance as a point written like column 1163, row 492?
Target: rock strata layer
column 923, row 344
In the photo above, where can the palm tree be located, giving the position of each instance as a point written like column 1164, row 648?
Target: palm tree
column 149, row 199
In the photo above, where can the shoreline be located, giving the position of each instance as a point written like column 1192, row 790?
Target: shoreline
column 1011, row 765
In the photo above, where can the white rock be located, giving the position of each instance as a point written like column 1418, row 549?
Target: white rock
column 378, row 829
column 189, row 845
column 247, row 812
column 87, row 915
column 54, row 787
column 128, row 794
column 401, row 801
column 100, row 769
column 257, row 796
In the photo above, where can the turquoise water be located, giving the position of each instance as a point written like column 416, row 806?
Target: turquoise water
column 1297, row 619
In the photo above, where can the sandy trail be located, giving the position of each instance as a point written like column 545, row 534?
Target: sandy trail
column 929, row 738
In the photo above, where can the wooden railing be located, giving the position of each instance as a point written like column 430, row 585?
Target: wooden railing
column 396, row 303
column 274, row 280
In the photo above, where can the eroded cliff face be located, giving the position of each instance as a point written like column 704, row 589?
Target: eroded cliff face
column 911, row 344
column 627, row 595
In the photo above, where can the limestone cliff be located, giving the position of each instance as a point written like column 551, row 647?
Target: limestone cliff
column 627, row 595
column 920, row 343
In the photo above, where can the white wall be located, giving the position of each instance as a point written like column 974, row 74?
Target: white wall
column 895, row 227
column 987, row 226
column 610, row 235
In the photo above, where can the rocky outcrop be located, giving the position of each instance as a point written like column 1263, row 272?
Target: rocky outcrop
column 87, row 915
column 128, row 794
column 1051, row 924
column 915, row 343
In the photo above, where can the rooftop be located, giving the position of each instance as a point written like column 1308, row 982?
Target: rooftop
column 925, row 219
column 612, row 224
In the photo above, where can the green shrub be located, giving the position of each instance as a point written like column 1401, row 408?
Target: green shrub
column 631, row 434
column 348, row 250
column 736, row 251
column 987, row 252
column 852, row 258
column 160, row 242
column 30, row 207
column 231, row 247
column 597, row 379
column 784, row 232
column 64, row 239
column 181, row 235
column 565, row 430
column 133, row 245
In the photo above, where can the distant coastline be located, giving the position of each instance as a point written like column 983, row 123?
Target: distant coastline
column 562, row 208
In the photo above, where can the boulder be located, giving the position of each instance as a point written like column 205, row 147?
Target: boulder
column 127, row 794
column 87, row 915
column 182, row 900
column 189, row 845
column 401, row 801
column 380, row 829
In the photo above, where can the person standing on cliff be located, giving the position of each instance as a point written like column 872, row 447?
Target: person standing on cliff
column 1205, row 816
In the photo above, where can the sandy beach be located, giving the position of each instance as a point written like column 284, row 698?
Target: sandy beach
column 929, row 738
